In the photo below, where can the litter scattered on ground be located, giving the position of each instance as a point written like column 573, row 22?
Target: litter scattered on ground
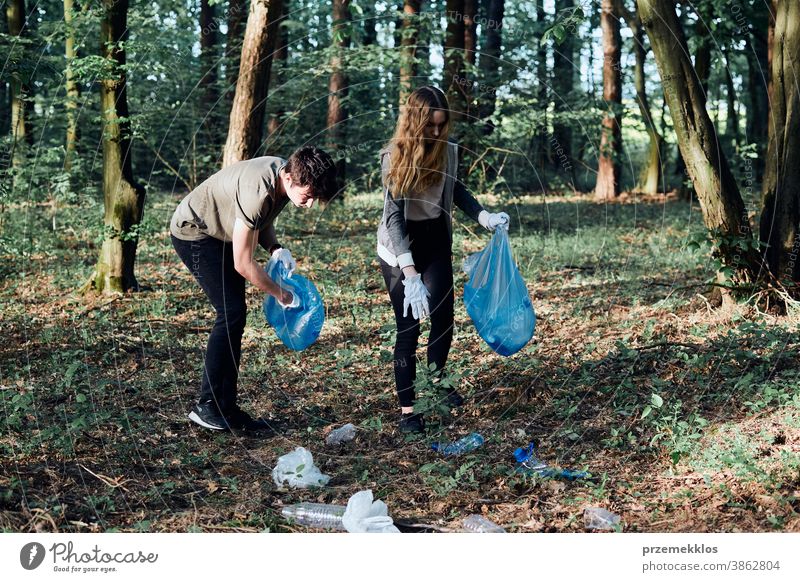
column 297, row 470
column 318, row 515
column 341, row 435
column 479, row 524
column 461, row 446
column 529, row 463
column 364, row 515
column 599, row 518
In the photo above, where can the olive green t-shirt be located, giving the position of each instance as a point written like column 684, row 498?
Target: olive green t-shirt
column 245, row 190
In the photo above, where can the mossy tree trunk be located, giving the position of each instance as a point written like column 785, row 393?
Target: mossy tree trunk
column 724, row 213
column 780, row 217
column 123, row 197
column 246, row 126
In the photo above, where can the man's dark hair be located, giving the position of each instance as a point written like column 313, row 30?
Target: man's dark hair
column 310, row 166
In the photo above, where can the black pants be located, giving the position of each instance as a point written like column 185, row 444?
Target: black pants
column 211, row 262
column 433, row 259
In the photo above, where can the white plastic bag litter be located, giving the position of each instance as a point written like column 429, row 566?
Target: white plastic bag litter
column 297, row 469
column 363, row 515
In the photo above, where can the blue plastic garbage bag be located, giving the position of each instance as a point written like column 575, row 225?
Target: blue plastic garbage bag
column 496, row 297
column 298, row 325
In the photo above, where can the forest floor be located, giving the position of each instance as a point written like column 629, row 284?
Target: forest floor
column 687, row 416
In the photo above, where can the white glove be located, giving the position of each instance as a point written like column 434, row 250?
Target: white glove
column 416, row 297
column 284, row 256
column 491, row 221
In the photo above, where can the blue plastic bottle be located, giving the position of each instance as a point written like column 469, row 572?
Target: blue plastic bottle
column 464, row 445
column 529, row 464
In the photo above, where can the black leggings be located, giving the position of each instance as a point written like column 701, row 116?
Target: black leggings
column 211, row 262
column 431, row 249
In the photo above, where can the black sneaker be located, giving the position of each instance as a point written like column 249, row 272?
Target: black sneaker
column 238, row 419
column 454, row 399
column 207, row 415
column 412, row 422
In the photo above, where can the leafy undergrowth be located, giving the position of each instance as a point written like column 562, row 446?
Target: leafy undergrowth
column 687, row 417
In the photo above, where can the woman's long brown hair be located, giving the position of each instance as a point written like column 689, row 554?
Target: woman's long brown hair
column 413, row 166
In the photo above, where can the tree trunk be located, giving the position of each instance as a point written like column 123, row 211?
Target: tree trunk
column 724, row 213
column 5, row 105
column 702, row 56
column 280, row 57
column 237, row 14
column 732, row 121
column 780, row 217
column 72, row 88
column 208, row 70
column 408, row 48
column 20, row 131
column 563, row 85
column 124, row 199
column 542, row 155
column 608, row 170
column 453, row 81
column 470, row 53
column 757, row 81
column 490, row 61
column 650, row 176
column 246, row 126
column 337, row 87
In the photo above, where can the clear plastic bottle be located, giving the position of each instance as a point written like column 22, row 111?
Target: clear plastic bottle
column 479, row 524
column 599, row 518
column 319, row 515
column 341, row 435
column 464, row 445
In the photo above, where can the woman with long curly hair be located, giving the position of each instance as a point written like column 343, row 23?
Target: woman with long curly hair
column 419, row 168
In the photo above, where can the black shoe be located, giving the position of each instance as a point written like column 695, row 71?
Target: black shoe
column 238, row 419
column 412, row 422
column 207, row 415
column 454, row 399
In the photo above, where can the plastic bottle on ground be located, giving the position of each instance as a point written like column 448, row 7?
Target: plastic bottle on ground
column 341, row 435
column 479, row 524
column 464, row 445
column 318, row 515
column 599, row 518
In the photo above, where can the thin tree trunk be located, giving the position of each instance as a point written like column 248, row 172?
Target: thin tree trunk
column 124, row 199
column 408, row 47
column 780, row 217
column 650, row 176
column 337, row 86
column 563, row 85
column 724, row 213
column 490, row 61
column 609, row 168
column 237, row 15
column 20, row 131
column 702, row 56
column 279, row 62
column 72, row 88
column 5, row 105
column 542, row 94
column 246, row 126
column 470, row 53
column 732, row 121
column 208, row 70
column 454, row 58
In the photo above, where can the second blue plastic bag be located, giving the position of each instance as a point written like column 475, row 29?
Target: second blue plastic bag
column 297, row 326
column 496, row 297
